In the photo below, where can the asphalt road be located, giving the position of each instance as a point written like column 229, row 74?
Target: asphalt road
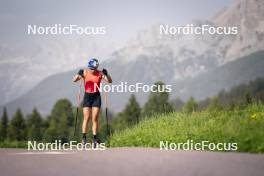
column 129, row 161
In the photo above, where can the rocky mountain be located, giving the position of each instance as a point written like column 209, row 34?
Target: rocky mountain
column 192, row 54
column 178, row 60
column 248, row 16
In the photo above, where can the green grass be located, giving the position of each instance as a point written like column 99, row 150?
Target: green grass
column 13, row 144
column 242, row 126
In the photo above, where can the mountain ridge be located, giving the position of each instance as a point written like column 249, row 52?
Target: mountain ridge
column 44, row 95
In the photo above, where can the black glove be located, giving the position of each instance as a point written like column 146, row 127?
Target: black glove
column 80, row 72
column 105, row 72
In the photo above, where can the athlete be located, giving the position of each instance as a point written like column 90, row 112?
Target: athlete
column 91, row 77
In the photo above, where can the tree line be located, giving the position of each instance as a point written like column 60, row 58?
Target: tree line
column 238, row 97
column 34, row 127
column 59, row 124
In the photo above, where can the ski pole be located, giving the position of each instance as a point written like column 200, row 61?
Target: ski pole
column 78, row 106
column 106, row 113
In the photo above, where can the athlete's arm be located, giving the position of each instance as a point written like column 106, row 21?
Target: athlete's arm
column 78, row 76
column 106, row 76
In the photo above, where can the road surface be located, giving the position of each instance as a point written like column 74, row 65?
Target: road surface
column 129, row 162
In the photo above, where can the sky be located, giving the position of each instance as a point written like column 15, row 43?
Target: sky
column 122, row 18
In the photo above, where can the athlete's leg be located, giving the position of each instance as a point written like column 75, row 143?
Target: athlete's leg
column 86, row 117
column 95, row 113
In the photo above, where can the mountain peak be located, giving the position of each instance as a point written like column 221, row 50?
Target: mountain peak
column 246, row 12
column 248, row 16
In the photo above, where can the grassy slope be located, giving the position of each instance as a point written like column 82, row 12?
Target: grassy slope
column 13, row 144
column 244, row 126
